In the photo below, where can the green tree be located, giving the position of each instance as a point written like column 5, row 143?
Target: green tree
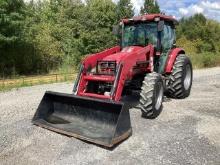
column 124, row 9
column 201, row 43
column 206, row 31
column 150, row 6
column 12, row 16
column 69, row 32
column 40, row 28
column 63, row 33
column 98, row 18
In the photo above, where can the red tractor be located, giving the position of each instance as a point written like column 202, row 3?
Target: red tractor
column 147, row 61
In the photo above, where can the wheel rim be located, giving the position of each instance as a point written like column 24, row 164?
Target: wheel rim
column 188, row 77
column 159, row 96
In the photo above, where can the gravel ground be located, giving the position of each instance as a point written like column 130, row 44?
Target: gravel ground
column 187, row 131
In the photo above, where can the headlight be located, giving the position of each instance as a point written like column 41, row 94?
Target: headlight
column 106, row 67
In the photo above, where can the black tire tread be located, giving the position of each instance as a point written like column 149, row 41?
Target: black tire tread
column 175, row 87
column 147, row 94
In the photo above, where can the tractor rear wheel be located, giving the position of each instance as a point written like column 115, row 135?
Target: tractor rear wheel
column 180, row 81
column 151, row 97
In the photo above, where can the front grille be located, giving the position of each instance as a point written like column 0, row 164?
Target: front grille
column 106, row 67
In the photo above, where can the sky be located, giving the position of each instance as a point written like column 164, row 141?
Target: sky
column 185, row 8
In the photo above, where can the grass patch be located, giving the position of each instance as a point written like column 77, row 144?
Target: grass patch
column 9, row 84
column 200, row 58
column 205, row 60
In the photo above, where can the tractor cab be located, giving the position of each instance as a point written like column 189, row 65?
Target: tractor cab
column 155, row 29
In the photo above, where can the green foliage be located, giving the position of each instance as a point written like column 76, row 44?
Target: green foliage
column 200, row 38
column 124, row 9
column 97, row 24
column 12, row 43
column 150, row 6
column 43, row 36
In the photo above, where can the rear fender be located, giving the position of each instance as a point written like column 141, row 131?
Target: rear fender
column 171, row 59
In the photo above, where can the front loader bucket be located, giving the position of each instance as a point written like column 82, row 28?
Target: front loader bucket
column 98, row 121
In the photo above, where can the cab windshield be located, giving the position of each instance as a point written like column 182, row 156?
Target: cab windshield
column 139, row 34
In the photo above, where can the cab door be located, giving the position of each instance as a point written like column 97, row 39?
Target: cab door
column 168, row 39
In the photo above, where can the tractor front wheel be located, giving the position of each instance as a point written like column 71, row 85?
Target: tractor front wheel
column 151, row 97
column 180, row 81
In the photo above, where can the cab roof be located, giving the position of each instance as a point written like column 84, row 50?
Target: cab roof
column 150, row 17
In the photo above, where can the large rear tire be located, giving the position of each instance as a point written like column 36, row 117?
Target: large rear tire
column 151, row 97
column 180, row 81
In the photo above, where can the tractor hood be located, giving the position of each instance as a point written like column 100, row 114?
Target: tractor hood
column 123, row 54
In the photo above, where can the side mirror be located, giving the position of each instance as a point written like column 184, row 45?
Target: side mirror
column 160, row 26
column 116, row 30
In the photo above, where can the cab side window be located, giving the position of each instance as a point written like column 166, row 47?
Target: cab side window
column 167, row 37
column 152, row 33
column 141, row 36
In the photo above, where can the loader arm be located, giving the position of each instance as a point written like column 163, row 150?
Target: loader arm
column 126, row 61
column 129, row 62
column 90, row 60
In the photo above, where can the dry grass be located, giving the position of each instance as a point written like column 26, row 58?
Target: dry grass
column 7, row 84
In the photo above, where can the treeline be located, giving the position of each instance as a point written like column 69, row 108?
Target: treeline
column 40, row 36
column 200, row 38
